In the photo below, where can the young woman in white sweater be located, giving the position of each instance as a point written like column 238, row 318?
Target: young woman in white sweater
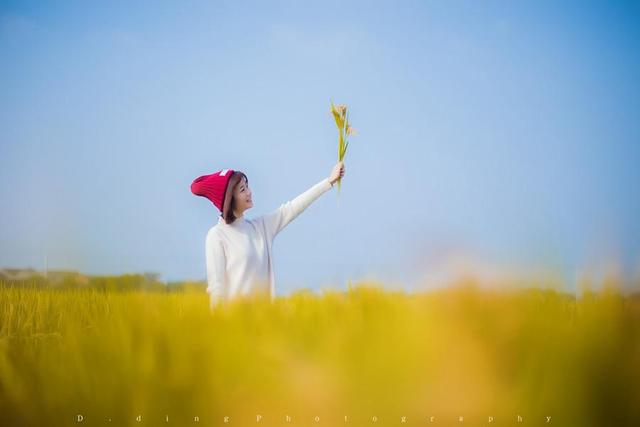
column 239, row 251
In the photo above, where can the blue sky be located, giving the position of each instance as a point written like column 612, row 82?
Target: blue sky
column 492, row 135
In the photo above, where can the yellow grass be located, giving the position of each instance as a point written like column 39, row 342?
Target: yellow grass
column 365, row 353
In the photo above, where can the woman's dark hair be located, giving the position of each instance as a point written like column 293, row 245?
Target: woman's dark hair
column 229, row 203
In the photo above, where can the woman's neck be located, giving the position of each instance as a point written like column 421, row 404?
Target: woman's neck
column 238, row 215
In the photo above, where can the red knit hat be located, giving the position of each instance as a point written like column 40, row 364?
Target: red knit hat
column 213, row 187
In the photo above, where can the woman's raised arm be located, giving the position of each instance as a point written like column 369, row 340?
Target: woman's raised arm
column 275, row 221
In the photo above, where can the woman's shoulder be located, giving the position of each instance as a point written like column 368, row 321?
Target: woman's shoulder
column 213, row 233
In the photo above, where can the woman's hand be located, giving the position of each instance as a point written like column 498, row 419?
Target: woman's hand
column 336, row 173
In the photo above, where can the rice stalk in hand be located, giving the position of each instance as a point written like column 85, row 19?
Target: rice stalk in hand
column 345, row 130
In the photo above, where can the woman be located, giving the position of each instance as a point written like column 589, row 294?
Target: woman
column 239, row 251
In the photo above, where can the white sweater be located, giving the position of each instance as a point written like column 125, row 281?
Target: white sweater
column 240, row 255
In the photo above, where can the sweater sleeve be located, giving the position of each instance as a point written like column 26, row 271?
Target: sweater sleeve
column 216, row 263
column 275, row 221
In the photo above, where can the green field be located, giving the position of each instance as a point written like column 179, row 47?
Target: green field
column 364, row 353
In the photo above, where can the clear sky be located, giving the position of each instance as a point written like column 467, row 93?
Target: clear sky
column 500, row 135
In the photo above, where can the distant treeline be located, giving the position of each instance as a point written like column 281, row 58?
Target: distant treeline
column 75, row 280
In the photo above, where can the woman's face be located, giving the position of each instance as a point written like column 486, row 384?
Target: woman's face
column 242, row 196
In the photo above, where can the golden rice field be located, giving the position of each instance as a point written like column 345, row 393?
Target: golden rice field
column 373, row 356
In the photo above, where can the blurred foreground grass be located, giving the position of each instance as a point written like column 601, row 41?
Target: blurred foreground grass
column 462, row 351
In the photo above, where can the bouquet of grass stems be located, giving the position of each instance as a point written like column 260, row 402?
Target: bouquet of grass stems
column 344, row 130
